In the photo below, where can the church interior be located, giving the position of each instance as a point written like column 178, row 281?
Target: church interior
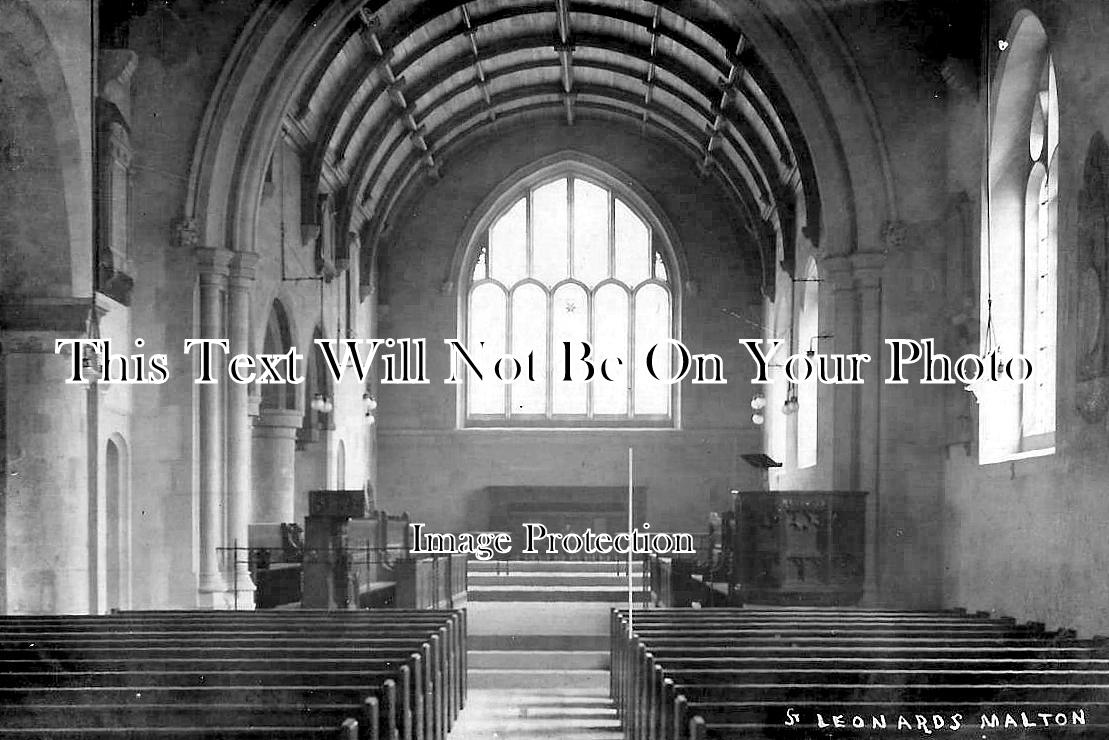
column 492, row 186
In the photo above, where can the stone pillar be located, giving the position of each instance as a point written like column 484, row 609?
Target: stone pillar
column 48, row 487
column 239, row 446
column 868, row 279
column 213, row 269
column 840, row 277
column 275, row 434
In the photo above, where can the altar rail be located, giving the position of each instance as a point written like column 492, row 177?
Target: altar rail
column 380, row 577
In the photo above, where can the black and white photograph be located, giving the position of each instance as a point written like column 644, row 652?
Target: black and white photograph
column 554, row 369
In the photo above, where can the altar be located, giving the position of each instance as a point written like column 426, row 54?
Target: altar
column 563, row 508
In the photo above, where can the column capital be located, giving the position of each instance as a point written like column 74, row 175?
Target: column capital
column 270, row 420
column 839, row 271
column 241, row 268
column 868, row 268
column 213, row 262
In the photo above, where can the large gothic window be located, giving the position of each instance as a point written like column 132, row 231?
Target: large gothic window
column 569, row 263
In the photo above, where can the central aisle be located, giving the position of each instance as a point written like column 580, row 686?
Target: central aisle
column 538, row 714
column 538, row 660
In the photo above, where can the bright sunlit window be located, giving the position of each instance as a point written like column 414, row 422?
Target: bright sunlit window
column 569, row 261
column 1020, row 247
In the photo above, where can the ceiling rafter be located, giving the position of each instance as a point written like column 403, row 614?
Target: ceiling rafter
column 395, row 90
column 359, row 72
column 649, row 80
column 708, row 90
column 479, row 70
column 615, row 44
column 716, row 124
column 565, row 49
column 685, row 138
column 752, row 162
column 424, row 12
column 753, row 156
column 690, row 134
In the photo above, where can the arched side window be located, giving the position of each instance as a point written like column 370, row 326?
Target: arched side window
column 808, row 331
column 117, row 524
column 1041, row 245
column 1020, row 246
column 568, row 262
column 278, row 340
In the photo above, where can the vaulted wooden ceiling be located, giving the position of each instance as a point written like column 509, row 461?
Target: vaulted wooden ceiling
column 407, row 81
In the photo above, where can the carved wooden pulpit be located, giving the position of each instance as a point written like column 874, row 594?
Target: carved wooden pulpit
column 327, row 562
column 799, row 547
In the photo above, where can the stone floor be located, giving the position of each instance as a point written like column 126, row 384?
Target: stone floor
column 538, row 714
column 538, row 661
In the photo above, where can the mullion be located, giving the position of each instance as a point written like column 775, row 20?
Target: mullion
column 631, row 345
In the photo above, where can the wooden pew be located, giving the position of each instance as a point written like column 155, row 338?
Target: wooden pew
column 308, row 620
column 347, row 731
column 447, row 662
column 248, row 663
column 734, row 673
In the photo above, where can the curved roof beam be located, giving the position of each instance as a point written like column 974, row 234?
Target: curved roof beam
column 754, row 157
column 710, row 89
column 761, row 231
column 523, row 43
column 467, row 121
column 754, row 177
column 761, row 142
column 464, row 60
column 720, row 30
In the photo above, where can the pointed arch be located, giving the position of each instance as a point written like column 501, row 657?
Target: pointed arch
column 564, row 251
column 278, row 339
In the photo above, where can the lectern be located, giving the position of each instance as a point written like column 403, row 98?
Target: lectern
column 327, row 562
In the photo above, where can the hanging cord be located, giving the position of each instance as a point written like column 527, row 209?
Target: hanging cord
column 989, row 338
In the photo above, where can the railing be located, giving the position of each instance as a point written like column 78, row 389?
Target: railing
column 429, row 581
column 705, row 577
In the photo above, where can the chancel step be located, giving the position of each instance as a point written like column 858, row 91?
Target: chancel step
column 539, row 714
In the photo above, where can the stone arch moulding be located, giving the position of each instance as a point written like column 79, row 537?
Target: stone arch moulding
column 270, row 60
column 828, row 105
column 26, row 33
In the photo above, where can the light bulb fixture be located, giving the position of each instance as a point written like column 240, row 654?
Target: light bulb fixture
column 369, row 405
column 322, row 404
column 758, row 418
column 758, row 403
column 790, row 406
column 92, row 369
column 812, row 343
